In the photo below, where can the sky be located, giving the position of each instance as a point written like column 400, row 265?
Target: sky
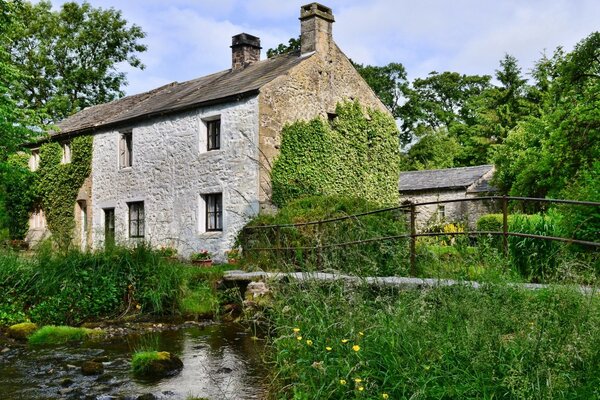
column 187, row 39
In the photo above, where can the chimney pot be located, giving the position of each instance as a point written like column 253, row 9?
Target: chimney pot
column 316, row 21
column 245, row 49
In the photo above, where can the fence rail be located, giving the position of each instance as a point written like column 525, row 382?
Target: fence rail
column 411, row 209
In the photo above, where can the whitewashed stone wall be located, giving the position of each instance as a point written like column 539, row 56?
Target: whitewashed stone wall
column 172, row 169
column 465, row 212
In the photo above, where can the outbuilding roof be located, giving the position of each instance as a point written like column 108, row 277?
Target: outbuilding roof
column 211, row 89
column 476, row 179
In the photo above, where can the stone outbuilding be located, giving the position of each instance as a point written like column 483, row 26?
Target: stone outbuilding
column 186, row 165
column 448, row 184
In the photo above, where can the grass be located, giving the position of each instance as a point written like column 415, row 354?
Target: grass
column 200, row 300
column 68, row 289
column 141, row 360
column 60, row 335
column 337, row 342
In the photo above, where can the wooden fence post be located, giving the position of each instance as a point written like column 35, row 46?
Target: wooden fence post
column 505, row 225
column 413, row 240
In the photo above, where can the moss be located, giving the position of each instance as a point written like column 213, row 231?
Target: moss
column 21, row 331
column 61, row 334
column 357, row 155
column 155, row 364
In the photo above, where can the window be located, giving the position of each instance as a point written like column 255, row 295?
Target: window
column 109, row 227
column 213, row 130
column 126, row 150
column 66, row 153
column 214, row 212
column 441, row 212
column 136, row 219
column 37, row 219
column 34, row 160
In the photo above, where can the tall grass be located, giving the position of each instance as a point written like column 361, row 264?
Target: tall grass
column 337, row 342
column 74, row 287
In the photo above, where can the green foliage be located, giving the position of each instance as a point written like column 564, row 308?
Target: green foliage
column 142, row 360
column 292, row 46
column 449, row 342
column 74, row 287
column 535, row 259
column 68, row 58
column 20, row 194
column 60, row 334
column 198, row 299
column 435, row 150
column 378, row 258
column 59, row 184
column 546, row 153
column 356, row 155
column 583, row 222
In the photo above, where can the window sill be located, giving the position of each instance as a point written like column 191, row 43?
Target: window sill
column 210, row 234
column 125, row 169
column 211, row 152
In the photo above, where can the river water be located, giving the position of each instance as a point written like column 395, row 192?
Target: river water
column 221, row 361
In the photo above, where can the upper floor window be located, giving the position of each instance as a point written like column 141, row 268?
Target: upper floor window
column 66, row 153
column 137, row 226
column 34, row 160
column 126, row 150
column 213, row 131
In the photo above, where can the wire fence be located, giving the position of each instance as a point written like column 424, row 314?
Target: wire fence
column 385, row 240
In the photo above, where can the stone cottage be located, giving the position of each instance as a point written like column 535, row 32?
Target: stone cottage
column 187, row 164
column 448, row 184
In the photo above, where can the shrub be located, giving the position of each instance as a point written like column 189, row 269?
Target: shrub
column 298, row 243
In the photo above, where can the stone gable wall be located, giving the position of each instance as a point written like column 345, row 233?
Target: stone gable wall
column 313, row 88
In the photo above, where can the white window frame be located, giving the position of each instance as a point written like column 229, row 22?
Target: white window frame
column 203, row 213
column 66, row 153
column 203, row 136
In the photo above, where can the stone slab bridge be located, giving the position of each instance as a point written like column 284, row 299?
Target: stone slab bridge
column 255, row 281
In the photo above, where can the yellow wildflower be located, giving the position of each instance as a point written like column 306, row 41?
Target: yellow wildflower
column 344, row 340
column 357, row 380
column 385, row 396
column 342, row 381
column 356, row 347
column 309, row 342
column 328, row 348
column 361, row 388
column 299, row 337
column 361, row 334
column 296, row 330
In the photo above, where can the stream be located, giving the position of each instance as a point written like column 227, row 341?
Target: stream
column 221, row 361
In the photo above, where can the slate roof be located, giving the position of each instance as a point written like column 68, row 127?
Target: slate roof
column 215, row 88
column 450, row 178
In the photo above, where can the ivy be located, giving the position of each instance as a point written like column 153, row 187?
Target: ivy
column 356, row 155
column 19, row 194
column 58, row 185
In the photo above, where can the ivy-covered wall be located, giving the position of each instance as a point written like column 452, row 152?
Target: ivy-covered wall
column 53, row 187
column 357, row 155
column 58, row 185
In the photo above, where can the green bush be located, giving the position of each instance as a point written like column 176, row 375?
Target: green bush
column 376, row 258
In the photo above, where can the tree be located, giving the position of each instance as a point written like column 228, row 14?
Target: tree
column 293, row 45
column 69, row 57
column 389, row 84
column 434, row 150
column 547, row 153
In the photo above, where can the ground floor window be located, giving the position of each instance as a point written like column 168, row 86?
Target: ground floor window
column 109, row 227
column 214, row 211
column 136, row 219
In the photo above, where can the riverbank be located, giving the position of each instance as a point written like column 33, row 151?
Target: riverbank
column 118, row 284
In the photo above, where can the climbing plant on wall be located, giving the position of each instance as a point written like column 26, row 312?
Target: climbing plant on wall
column 19, row 194
column 357, row 155
column 58, row 185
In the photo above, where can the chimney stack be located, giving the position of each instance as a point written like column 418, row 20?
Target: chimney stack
column 316, row 22
column 245, row 49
